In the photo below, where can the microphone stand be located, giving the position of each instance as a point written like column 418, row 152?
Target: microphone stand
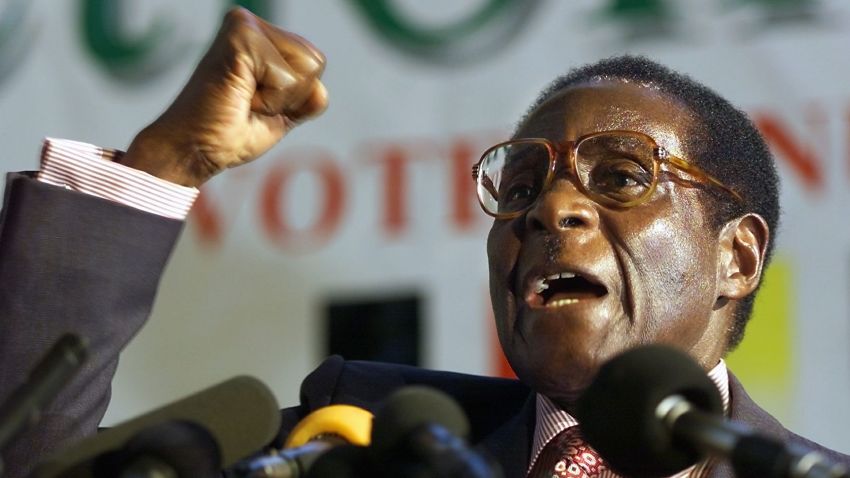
column 173, row 449
column 751, row 455
column 24, row 406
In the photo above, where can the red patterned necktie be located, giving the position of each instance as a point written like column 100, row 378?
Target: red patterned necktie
column 567, row 455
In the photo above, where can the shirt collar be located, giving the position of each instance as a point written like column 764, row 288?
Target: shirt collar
column 551, row 420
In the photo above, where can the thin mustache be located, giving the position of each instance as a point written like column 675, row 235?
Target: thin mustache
column 553, row 247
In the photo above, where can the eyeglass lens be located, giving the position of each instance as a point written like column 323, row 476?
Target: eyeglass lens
column 617, row 167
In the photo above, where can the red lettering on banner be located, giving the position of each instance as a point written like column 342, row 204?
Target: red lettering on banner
column 273, row 195
column 211, row 218
column 463, row 191
column 818, row 122
column 394, row 160
column 466, row 212
column 206, row 220
column 801, row 158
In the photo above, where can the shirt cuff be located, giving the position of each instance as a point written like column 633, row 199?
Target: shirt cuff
column 94, row 170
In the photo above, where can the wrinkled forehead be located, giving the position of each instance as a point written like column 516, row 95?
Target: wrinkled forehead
column 614, row 105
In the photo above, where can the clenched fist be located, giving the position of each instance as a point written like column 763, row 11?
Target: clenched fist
column 253, row 85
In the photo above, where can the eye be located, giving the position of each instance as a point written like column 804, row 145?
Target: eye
column 620, row 176
column 620, row 179
column 519, row 192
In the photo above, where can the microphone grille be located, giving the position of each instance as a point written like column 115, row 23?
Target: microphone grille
column 414, row 407
column 617, row 412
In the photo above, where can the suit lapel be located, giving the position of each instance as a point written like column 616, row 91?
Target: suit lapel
column 743, row 409
column 510, row 444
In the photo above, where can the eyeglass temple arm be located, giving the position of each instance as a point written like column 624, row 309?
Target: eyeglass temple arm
column 700, row 174
column 486, row 182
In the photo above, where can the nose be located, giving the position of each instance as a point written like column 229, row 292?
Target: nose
column 562, row 207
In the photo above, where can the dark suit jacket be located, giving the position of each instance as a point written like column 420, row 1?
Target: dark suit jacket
column 501, row 412
column 70, row 262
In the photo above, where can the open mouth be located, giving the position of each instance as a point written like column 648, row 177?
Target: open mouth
column 563, row 288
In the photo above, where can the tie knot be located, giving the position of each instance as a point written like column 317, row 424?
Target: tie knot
column 571, row 435
column 567, row 455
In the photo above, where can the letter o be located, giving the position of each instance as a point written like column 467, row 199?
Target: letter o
column 273, row 217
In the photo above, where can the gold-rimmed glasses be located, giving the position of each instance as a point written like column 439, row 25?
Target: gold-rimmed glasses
column 614, row 168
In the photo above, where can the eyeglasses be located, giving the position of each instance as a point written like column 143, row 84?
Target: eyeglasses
column 614, row 168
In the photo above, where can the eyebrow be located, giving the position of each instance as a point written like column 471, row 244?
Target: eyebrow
column 518, row 161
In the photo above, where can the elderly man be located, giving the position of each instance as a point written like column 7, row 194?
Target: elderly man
column 632, row 206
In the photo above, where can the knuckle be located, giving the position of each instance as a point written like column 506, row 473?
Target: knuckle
column 276, row 74
column 237, row 15
column 285, row 79
column 239, row 35
column 238, row 23
column 309, row 58
column 313, row 66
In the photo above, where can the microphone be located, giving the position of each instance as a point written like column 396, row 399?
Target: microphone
column 314, row 436
column 652, row 411
column 24, row 406
column 240, row 415
column 176, row 448
column 422, row 433
column 346, row 461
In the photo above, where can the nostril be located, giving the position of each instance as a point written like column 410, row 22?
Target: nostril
column 571, row 221
column 535, row 224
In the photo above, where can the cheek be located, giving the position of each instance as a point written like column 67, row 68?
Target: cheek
column 503, row 247
column 675, row 269
column 502, row 251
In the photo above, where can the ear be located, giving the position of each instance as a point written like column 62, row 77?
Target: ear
column 743, row 243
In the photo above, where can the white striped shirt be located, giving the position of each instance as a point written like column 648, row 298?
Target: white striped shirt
column 94, row 170
column 551, row 420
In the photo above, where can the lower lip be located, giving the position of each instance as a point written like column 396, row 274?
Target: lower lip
column 561, row 303
column 534, row 301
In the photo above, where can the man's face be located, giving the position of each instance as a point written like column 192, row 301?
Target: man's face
column 645, row 274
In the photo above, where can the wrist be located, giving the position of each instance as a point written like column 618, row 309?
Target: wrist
column 164, row 156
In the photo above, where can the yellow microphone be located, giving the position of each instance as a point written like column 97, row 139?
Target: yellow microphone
column 312, row 437
column 351, row 424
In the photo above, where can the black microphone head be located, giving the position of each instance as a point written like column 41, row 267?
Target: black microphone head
column 182, row 447
column 412, row 408
column 618, row 417
column 344, row 461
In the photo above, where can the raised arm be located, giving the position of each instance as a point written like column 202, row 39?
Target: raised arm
column 89, row 262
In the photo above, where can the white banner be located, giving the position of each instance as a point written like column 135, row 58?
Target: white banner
column 374, row 198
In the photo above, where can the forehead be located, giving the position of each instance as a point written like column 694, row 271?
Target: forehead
column 611, row 105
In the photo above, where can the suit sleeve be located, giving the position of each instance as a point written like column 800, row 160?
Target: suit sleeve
column 71, row 262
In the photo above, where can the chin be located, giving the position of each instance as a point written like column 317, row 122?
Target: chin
column 562, row 378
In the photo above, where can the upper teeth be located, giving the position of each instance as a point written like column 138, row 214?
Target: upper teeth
column 561, row 275
column 541, row 284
